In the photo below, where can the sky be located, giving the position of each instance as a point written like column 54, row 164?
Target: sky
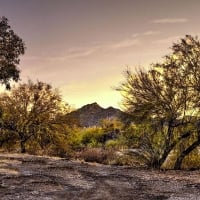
column 82, row 47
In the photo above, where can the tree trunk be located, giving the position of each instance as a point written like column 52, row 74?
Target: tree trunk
column 170, row 147
column 180, row 159
column 164, row 156
column 23, row 148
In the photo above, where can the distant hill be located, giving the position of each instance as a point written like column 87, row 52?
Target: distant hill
column 92, row 114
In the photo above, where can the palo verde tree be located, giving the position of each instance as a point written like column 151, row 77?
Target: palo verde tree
column 32, row 110
column 11, row 47
column 167, row 97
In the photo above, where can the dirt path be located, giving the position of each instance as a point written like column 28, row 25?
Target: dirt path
column 43, row 178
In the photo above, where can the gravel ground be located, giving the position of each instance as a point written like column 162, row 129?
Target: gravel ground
column 48, row 178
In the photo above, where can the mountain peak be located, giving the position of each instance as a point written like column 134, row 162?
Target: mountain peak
column 89, row 107
column 95, row 104
column 92, row 114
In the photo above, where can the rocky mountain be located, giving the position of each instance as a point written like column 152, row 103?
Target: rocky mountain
column 92, row 114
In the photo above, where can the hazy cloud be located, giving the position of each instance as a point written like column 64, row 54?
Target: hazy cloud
column 167, row 40
column 80, row 52
column 170, row 20
column 125, row 43
column 149, row 33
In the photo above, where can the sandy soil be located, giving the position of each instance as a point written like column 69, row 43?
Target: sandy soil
column 33, row 177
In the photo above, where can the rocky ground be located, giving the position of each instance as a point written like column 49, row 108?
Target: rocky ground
column 33, row 177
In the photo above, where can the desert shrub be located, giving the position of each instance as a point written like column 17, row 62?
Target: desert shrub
column 116, row 144
column 58, row 150
column 131, row 136
column 87, row 137
column 111, row 125
column 192, row 161
column 146, row 141
column 127, row 160
column 8, row 140
column 98, row 155
column 59, row 146
column 108, row 157
column 51, row 144
column 33, row 147
column 92, row 137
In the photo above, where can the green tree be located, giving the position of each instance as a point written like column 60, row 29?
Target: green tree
column 32, row 110
column 11, row 47
column 167, row 96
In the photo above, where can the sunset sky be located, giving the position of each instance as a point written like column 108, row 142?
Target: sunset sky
column 82, row 47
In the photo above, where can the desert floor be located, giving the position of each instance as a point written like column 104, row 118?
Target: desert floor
column 48, row 178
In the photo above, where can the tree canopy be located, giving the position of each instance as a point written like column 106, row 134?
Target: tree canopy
column 168, row 94
column 11, row 47
column 31, row 110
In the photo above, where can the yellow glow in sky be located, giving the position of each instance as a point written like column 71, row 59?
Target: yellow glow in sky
column 82, row 47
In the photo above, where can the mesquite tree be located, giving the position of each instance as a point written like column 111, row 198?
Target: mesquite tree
column 168, row 95
column 32, row 110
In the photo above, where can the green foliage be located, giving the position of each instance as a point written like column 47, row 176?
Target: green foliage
column 32, row 110
column 11, row 47
column 94, row 136
column 113, row 144
column 192, row 160
column 131, row 136
column 88, row 137
column 127, row 138
column 111, row 125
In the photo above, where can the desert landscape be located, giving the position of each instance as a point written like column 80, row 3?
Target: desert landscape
column 99, row 100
